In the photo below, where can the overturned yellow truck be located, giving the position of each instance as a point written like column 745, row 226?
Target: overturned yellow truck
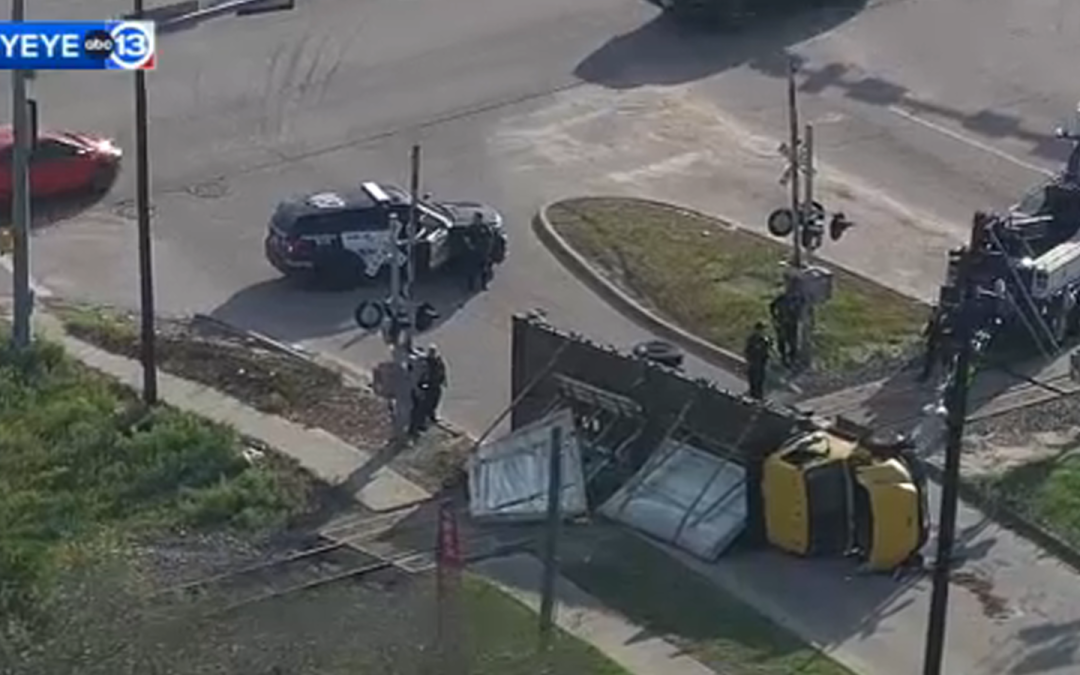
column 692, row 465
column 824, row 495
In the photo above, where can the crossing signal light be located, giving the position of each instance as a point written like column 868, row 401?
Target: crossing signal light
column 838, row 225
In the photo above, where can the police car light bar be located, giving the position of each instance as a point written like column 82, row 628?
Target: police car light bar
column 375, row 192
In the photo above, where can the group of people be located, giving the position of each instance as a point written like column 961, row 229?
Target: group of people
column 428, row 382
column 785, row 311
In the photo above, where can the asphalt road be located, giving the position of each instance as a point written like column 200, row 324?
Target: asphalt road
column 925, row 111
column 249, row 110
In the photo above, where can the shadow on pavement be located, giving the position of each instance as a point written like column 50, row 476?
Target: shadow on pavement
column 287, row 311
column 884, row 93
column 663, row 52
column 666, row 52
column 54, row 211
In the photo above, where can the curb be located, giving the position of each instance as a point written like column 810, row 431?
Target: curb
column 626, row 305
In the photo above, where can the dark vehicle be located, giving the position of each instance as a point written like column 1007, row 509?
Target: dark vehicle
column 347, row 237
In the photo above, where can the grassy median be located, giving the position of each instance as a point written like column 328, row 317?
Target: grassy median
column 717, row 281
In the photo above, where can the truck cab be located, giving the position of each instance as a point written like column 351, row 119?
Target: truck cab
column 827, row 495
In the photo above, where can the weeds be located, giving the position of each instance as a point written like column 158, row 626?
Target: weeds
column 80, row 456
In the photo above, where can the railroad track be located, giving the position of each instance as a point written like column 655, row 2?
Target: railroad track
column 350, row 549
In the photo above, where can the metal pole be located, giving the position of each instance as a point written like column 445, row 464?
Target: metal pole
column 551, row 549
column 793, row 143
column 808, row 170
column 403, row 383
column 806, row 321
column 957, row 411
column 414, row 215
column 142, row 199
column 20, row 202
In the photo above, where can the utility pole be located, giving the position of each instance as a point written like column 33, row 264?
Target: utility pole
column 794, row 151
column 957, row 411
column 551, row 548
column 20, row 202
column 147, row 351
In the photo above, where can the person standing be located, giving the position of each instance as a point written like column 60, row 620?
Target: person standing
column 932, row 336
column 479, row 241
column 784, row 311
column 756, row 353
column 417, row 376
column 432, row 384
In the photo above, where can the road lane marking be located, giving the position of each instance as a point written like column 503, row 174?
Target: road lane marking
column 968, row 140
column 39, row 291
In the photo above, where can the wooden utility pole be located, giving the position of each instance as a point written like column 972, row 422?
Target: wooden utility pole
column 950, row 487
column 20, row 201
column 148, row 352
column 551, row 548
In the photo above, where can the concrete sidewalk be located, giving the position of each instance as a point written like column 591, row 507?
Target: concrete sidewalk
column 584, row 617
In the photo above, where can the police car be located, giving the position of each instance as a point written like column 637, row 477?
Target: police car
column 348, row 236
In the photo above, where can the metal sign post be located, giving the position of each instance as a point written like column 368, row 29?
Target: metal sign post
column 806, row 317
column 410, row 251
column 402, row 386
column 20, row 202
column 793, row 152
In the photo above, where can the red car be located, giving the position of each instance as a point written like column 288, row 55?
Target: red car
column 62, row 162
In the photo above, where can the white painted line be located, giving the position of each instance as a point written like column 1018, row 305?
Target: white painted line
column 968, row 140
column 39, row 291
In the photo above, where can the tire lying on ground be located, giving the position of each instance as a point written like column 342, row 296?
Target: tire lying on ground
column 658, row 351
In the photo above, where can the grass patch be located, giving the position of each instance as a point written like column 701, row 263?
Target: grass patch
column 80, row 457
column 717, row 281
column 648, row 586
column 504, row 636
column 1046, row 491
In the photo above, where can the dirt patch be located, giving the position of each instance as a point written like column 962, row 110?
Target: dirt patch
column 274, row 382
column 994, row 606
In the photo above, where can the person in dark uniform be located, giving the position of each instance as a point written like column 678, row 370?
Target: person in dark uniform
column 417, row 377
column 932, row 336
column 757, row 349
column 484, row 237
column 432, row 382
column 474, row 258
column 784, row 311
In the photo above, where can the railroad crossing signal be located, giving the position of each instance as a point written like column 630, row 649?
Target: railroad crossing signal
column 806, row 164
